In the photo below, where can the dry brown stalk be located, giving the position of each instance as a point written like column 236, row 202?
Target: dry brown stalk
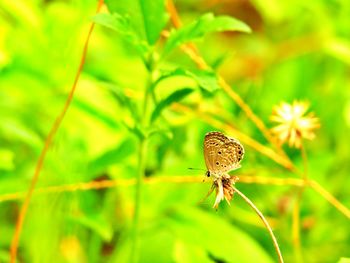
column 251, row 204
column 94, row 185
column 330, row 198
column 48, row 141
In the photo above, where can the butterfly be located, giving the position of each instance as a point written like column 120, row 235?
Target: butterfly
column 221, row 153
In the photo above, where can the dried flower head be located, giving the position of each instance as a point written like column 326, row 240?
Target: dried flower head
column 293, row 124
column 223, row 188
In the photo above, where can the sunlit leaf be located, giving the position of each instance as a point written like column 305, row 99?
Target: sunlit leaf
column 101, row 116
column 147, row 17
column 18, row 131
column 205, row 79
column 6, row 159
column 97, row 223
column 174, row 97
column 216, row 236
column 122, row 25
column 185, row 252
column 155, row 18
column 4, row 255
column 339, row 48
column 113, row 156
column 207, row 23
column 344, row 260
column 124, row 100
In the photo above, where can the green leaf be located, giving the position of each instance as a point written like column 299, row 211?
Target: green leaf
column 136, row 130
column 344, row 260
column 185, row 252
column 205, row 79
column 113, row 156
column 207, row 23
column 164, row 240
column 216, row 236
column 155, row 18
column 7, row 160
column 124, row 100
column 96, row 113
column 4, row 255
column 159, row 131
column 97, row 223
column 122, row 25
column 338, row 48
column 174, row 97
column 148, row 17
column 17, row 130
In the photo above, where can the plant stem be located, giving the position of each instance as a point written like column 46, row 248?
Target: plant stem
column 103, row 184
column 138, row 190
column 305, row 162
column 330, row 198
column 141, row 161
column 274, row 240
column 296, row 210
column 296, row 227
column 48, row 141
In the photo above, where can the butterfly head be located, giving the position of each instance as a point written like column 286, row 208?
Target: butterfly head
column 207, row 173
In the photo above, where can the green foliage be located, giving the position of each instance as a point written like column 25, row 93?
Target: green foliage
column 344, row 260
column 123, row 125
column 207, row 23
column 122, row 25
column 148, row 17
column 176, row 96
column 111, row 157
column 203, row 231
column 205, row 79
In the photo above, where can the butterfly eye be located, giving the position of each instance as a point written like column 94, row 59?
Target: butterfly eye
column 219, row 152
column 217, row 163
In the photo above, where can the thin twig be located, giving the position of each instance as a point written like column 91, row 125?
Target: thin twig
column 49, row 138
column 330, row 198
column 271, row 181
column 274, row 240
column 175, row 19
column 182, row 179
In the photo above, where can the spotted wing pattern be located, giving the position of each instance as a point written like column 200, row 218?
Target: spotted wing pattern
column 221, row 153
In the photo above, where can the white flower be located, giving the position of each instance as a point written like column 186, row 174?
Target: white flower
column 293, row 126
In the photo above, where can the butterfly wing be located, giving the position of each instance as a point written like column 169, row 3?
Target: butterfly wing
column 221, row 153
column 213, row 141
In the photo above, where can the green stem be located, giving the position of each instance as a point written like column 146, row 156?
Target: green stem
column 138, row 190
column 141, row 164
column 296, row 210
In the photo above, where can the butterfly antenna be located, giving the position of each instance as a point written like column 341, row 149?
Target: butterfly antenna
column 197, row 169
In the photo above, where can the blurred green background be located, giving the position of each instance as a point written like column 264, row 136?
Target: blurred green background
column 296, row 50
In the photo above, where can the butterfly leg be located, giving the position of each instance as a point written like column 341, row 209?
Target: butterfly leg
column 208, row 194
column 219, row 193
